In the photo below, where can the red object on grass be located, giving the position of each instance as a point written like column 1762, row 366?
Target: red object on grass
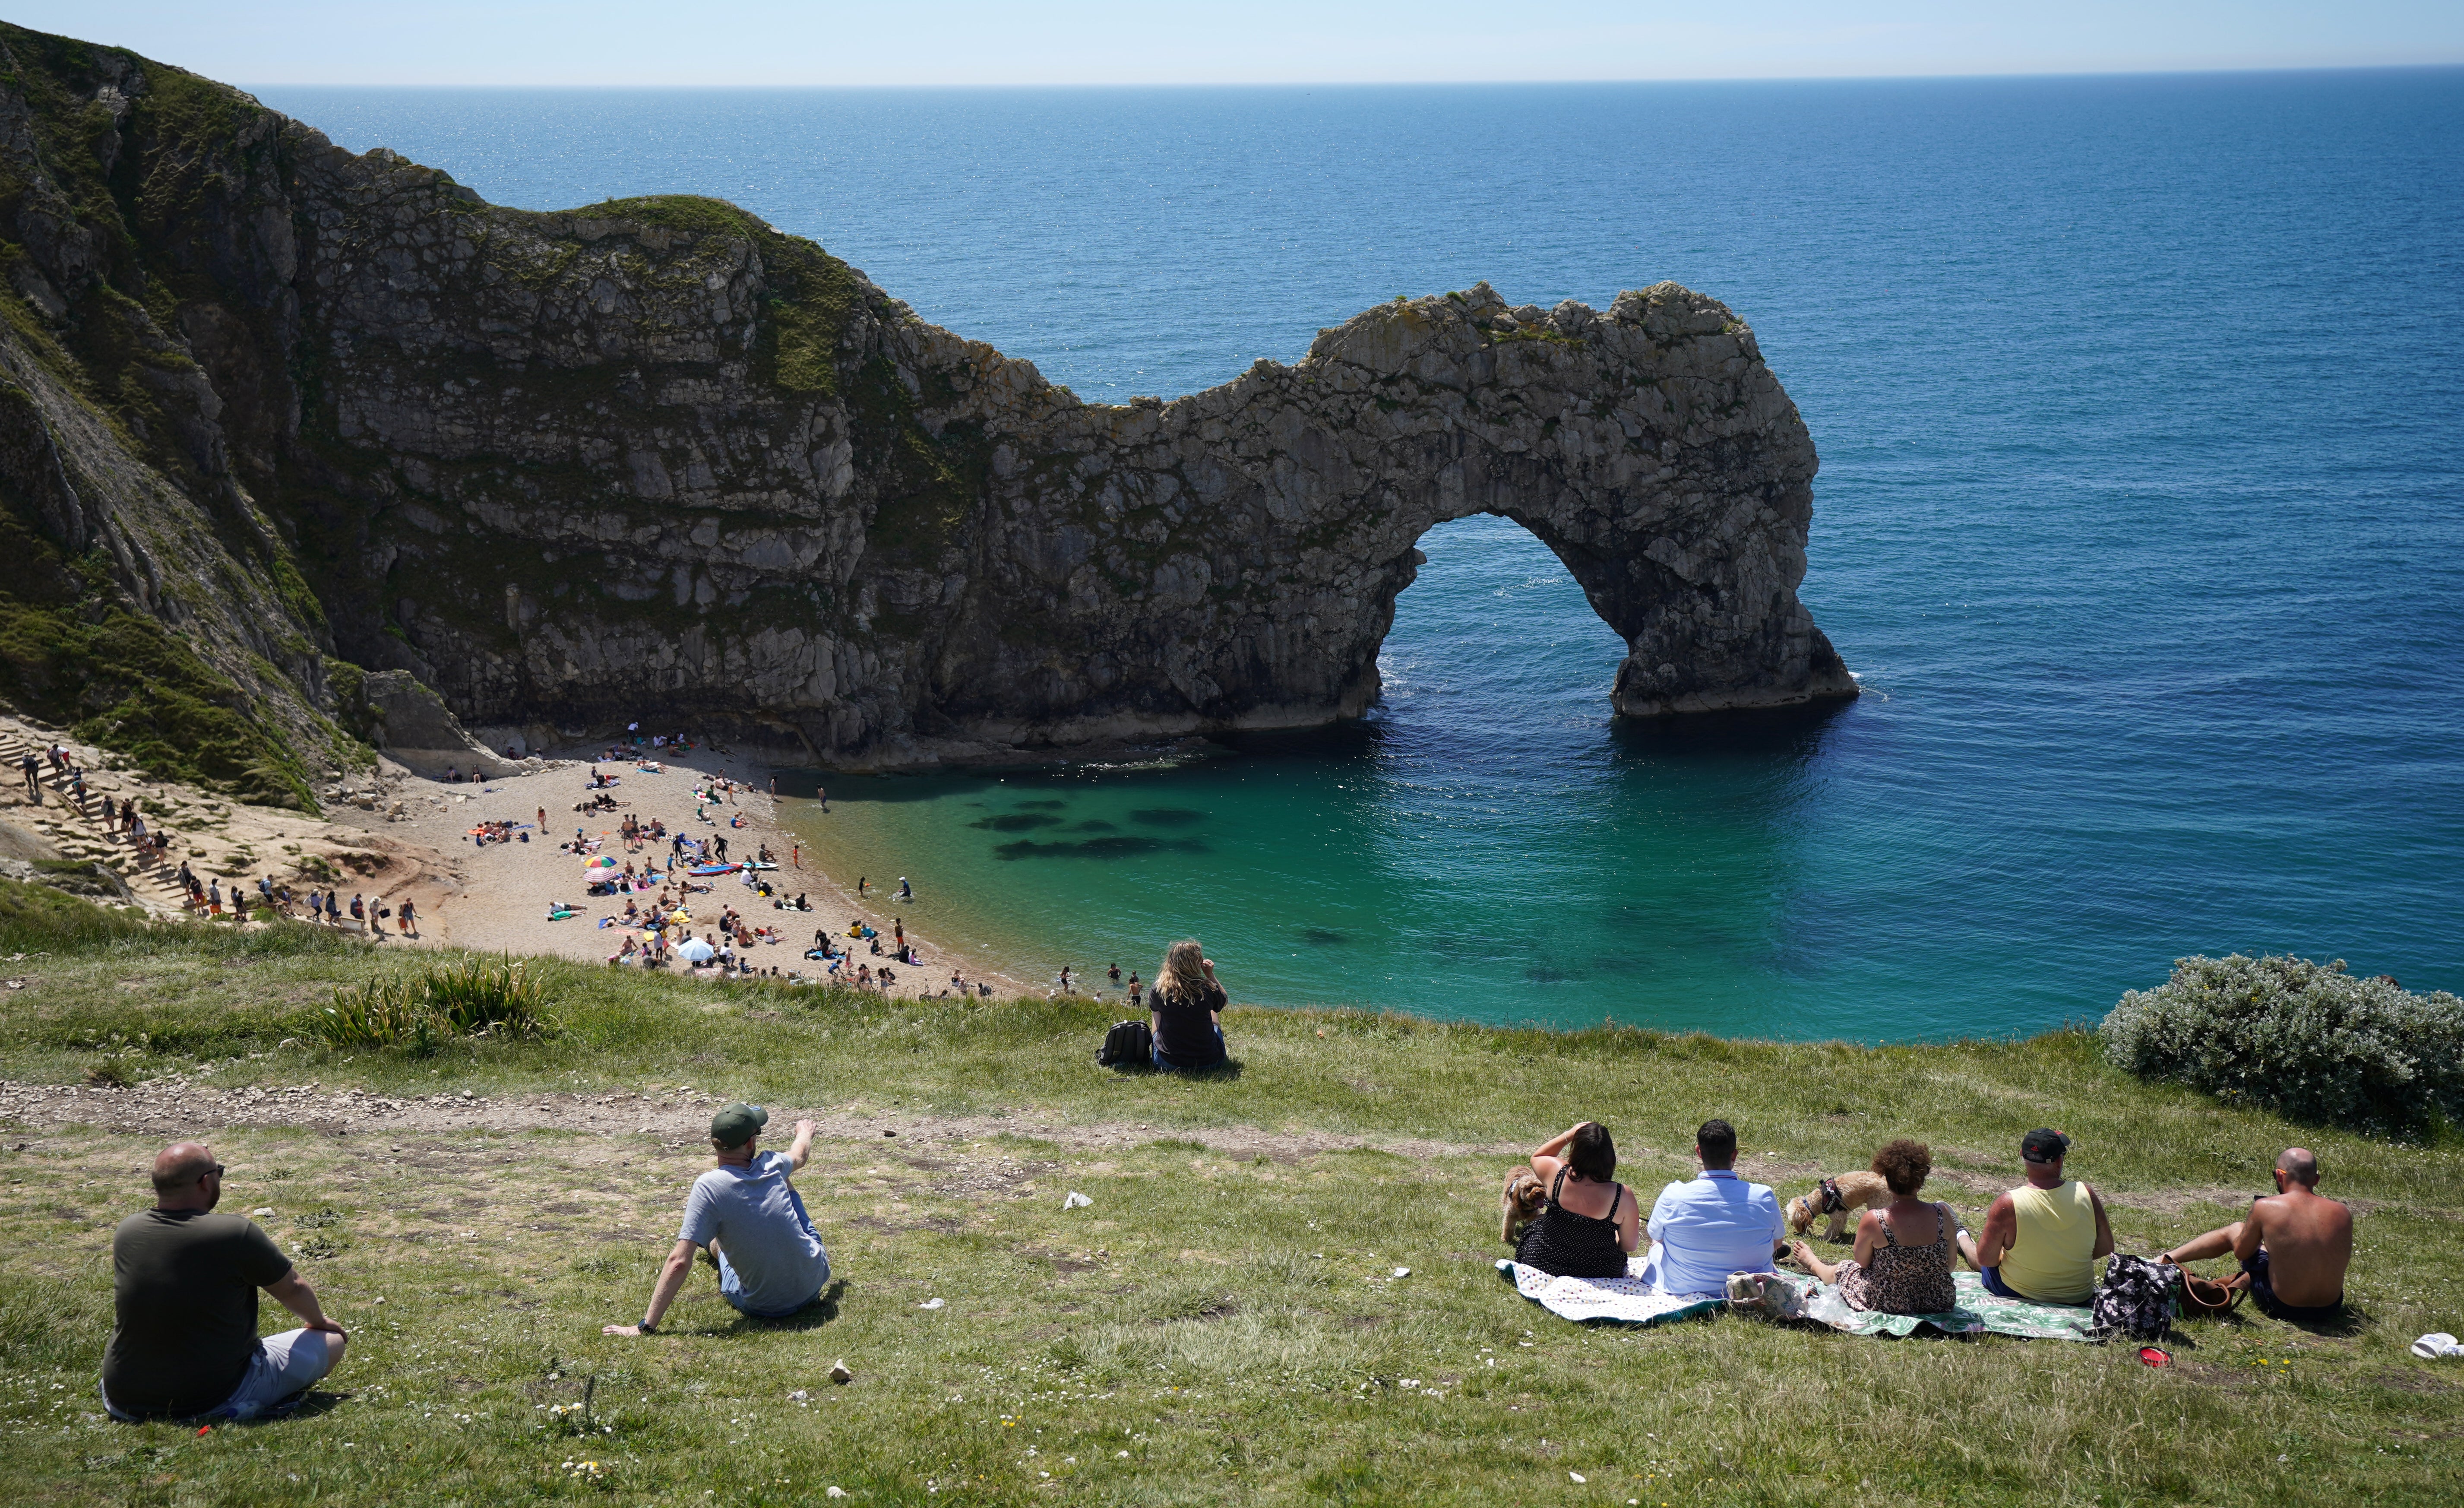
column 2154, row 1357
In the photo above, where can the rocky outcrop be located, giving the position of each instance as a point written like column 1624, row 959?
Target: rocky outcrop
column 656, row 460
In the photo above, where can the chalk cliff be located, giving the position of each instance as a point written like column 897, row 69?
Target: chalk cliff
column 270, row 414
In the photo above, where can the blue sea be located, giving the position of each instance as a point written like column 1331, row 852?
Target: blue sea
column 2141, row 408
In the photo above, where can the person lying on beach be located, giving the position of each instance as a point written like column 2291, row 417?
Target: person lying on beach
column 2041, row 1241
column 2294, row 1248
column 1901, row 1263
column 747, row 1215
column 1589, row 1224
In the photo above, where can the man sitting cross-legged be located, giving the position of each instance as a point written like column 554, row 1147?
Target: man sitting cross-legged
column 2294, row 1248
column 1706, row 1227
column 183, row 1284
column 744, row 1211
column 2042, row 1242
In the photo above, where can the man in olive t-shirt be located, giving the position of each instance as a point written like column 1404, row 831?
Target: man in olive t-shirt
column 184, row 1290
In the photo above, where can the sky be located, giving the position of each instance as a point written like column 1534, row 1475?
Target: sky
column 973, row 43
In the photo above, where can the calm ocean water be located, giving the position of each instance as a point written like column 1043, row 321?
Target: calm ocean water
column 2141, row 514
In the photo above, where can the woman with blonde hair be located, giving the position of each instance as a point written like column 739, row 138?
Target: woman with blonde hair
column 1182, row 1007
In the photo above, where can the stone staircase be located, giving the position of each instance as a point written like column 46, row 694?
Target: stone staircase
column 79, row 832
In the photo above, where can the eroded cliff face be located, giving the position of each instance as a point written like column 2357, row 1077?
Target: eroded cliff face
column 656, row 460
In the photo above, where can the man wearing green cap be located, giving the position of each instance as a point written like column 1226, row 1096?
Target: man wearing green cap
column 744, row 1211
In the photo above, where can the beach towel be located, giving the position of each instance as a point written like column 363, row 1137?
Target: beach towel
column 715, row 869
column 1975, row 1312
column 1590, row 1300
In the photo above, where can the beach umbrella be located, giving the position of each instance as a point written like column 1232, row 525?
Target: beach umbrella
column 695, row 951
column 603, row 861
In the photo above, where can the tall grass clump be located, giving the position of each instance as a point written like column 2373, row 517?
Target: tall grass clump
column 2309, row 1041
column 40, row 918
column 500, row 998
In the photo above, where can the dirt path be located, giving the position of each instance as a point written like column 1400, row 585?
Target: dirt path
column 172, row 1107
column 677, row 1115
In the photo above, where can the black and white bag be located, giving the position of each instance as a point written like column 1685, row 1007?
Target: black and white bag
column 2137, row 1299
column 1128, row 1042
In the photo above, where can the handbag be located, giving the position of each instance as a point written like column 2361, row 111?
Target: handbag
column 2206, row 1299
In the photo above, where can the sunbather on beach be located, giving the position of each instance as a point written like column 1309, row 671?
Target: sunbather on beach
column 1590, row 1223
column 2041, row 1242
column 2294, row 1247
column 1902, row 1259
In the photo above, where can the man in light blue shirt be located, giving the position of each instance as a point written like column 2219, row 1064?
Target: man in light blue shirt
column 1709, row 1226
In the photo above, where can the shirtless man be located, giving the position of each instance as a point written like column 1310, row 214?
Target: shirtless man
column 2294, row 1248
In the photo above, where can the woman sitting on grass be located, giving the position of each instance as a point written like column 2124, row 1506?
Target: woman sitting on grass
column 1182, row 1010
column 1901, row 1261
column 1588, row 1225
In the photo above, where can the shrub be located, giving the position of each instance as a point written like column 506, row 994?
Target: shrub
column 2311, row 1042
column 474, row 998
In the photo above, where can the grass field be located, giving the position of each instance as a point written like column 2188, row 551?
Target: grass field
column 1222, row 1325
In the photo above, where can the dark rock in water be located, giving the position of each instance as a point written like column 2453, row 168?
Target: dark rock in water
column 1320, row 937
column 1016, row 822
column 1097, row 848
column 1167, row 817
column 296, row 413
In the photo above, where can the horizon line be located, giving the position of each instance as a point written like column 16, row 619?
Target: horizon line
column 2217, row 72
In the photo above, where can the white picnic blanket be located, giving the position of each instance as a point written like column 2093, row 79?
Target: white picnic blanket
column 1620, row 1301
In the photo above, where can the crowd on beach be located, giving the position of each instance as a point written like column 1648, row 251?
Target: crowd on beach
column 2040, row 1242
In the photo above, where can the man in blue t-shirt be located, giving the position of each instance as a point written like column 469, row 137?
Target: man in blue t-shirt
column 748, row 1216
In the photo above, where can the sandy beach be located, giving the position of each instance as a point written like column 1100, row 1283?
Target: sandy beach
column 498, row 897
column 389, row 835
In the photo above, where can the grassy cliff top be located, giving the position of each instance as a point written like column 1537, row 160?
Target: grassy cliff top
column 1227, row 1313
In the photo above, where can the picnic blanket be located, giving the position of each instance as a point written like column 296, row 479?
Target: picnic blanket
column 1589, row 1300
column 1975, row 1312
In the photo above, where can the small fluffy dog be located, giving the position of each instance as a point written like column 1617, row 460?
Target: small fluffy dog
column 1519, row 1203
column 1839, row 1198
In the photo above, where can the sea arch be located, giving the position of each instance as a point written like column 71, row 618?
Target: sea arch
column 1239, row 563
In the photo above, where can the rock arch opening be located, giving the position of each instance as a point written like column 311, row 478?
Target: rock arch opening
column 1493, row 626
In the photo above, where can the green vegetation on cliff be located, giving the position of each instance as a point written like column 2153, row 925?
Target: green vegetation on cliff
column 1222, row 1325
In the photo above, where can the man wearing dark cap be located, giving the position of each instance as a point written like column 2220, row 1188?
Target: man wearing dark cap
column 2041, row 1242
column 749, row 1217
column 2294, row 1248
column 184, row 1282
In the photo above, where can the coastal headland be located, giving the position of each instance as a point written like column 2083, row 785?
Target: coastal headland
column 280, row 417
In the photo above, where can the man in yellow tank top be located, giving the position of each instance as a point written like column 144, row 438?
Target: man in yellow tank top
column 2042, row 1242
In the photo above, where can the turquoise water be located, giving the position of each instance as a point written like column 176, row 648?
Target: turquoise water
column 2142, row 516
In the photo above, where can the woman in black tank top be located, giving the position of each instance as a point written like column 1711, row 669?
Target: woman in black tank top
column 1587, row 1229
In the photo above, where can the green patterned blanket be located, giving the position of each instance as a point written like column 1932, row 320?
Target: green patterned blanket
column 1977, row 1312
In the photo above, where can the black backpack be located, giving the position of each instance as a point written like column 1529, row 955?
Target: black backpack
column 1128, row 1042
column 2137, row 1299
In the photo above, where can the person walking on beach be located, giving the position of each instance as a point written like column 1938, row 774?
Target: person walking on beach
column 860, row 883
column 796, row 855
column 409, row 917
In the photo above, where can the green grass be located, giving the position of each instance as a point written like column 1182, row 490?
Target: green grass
column 1224, row 1312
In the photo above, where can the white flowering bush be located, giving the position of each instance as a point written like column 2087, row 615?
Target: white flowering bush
column 2308, row 1040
